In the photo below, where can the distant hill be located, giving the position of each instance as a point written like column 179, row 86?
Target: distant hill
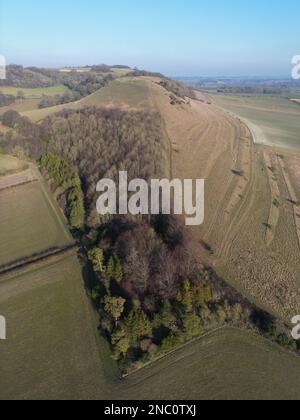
column 34, row 77
column 18, row 76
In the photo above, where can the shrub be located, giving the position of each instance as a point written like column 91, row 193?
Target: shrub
column 192, row 326
column 170, row 343
column 137, row 325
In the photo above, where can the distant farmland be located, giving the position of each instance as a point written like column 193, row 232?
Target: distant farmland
column 32, row 97
column 29, row 222
column 274, row 120
column 34, row 93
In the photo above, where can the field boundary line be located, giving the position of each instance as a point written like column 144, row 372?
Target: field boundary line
column 17, row 177
column 44, row 256
column 10, row 187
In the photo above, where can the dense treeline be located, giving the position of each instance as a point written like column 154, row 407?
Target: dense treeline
column 64, row 176
column 143, row 73
column 25, row 140
column 102, row 142
column 83, row 84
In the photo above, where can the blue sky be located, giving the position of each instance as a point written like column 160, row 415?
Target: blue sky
column 176, row 37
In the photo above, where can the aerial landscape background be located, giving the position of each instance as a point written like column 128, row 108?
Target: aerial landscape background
column 103, row 307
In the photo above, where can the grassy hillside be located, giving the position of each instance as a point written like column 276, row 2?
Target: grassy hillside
column 125, row 93
column 246, row 191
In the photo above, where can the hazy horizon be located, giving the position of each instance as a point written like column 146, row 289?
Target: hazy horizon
column 174, row 75
column 191, row 38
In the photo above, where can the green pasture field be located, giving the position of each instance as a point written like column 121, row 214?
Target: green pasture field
column 125, row 93
column 34, row 93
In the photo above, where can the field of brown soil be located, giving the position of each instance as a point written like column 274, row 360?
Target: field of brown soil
column 252, row 219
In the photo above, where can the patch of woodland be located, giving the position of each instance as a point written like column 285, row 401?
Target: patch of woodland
column 96, row 143
column 153, row 295
column 177, row 89
column 80, row 84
